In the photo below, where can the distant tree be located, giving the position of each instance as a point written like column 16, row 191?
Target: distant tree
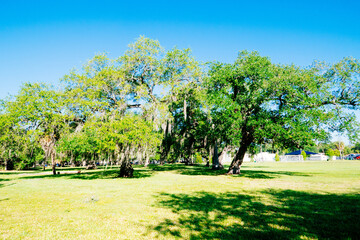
column 38, row 110
column 330, row 153
column 337, row 153
column 356, row 147
column 340, row 146
column 347, row 150
column 10, row 141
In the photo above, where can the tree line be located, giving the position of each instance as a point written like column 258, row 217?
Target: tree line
column 152, row 103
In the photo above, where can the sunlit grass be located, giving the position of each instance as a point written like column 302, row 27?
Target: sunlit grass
column 268, row 200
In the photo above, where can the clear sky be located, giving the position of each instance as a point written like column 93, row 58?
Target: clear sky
column 43, row 40
column 40, row 41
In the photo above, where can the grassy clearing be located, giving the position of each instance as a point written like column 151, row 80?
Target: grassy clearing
column 310, row 200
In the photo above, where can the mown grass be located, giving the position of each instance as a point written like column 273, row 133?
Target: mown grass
column 310, row 200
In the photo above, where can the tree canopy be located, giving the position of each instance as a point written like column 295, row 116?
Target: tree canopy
column 257, row 100
column 151, row 103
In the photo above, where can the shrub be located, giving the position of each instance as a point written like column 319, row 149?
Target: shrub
column 303, row 153
column 330, row 153
column 198, row 158
column 277, row 158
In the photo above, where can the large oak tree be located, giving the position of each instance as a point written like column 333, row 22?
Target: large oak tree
column 254, row 100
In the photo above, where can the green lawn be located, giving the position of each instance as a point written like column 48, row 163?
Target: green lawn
column 310, row 200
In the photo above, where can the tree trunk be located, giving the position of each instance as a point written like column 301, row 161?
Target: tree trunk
column 147, row 159
column 210, row 152
column 126, row 170
column 222, row 156
column 139, row 158
column 189, row 151
column 216, row 164
column 9, row 165
column 238, row 159
column 8, row 162
column 53, row 169
column 166, row 144
column 48, row 143
column 53, row 164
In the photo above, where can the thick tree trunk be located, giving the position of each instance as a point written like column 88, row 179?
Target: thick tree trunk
column 222, row 156
column 126, row 170
column 9, row 165
column 53, row 169
column 189, row 151
column 238, row 159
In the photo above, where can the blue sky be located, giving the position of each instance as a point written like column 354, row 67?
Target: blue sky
column 43, row 40
column 40, row 41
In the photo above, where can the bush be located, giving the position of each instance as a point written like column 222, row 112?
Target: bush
column 198, row 158
column 22, row 166
column 303, row 153
column 277, row 158
column 330, row 153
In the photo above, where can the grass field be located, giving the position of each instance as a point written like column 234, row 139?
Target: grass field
column 309, row 200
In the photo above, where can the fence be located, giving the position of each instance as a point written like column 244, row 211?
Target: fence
column 316, row 157
column 291, row 158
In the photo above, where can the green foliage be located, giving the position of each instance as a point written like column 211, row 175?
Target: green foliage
column 91, row 115
column 337, row 153
column 151, row 102
column 304, row 155
column 330, row 153
column 198, row 158
column 277, row 158
column 347, row 150
column 253, row 101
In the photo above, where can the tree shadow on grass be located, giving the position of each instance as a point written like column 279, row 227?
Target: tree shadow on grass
column 187, row 169
column 260, row 215
column 110, row 174
column 13, row 172
column 203, row 170
column 260, row 174
column 40, row 170
column 3, row 180
column 141, row 172
column 93, row 174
